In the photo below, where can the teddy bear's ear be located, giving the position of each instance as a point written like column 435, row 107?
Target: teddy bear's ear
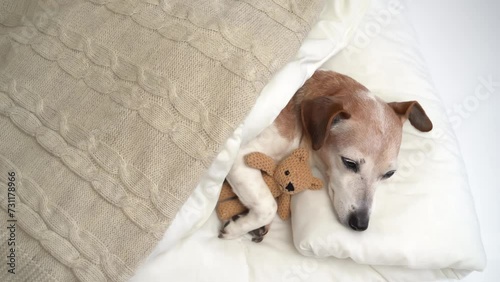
column 301, row 153
column 260, row 161
column 316, row 184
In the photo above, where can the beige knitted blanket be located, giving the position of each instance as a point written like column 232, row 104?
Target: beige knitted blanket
column 110, row 113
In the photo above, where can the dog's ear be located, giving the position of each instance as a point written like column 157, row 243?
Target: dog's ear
column 412, row 111
column 318, row 114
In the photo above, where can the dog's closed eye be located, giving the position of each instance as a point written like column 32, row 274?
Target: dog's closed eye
column 388, row 174
column 350, row 164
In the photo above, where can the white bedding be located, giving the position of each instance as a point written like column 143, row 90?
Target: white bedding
column 190, row 249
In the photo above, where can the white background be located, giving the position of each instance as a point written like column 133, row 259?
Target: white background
column 460, row 41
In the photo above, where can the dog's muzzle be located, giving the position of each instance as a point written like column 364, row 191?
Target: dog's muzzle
column 290, row 187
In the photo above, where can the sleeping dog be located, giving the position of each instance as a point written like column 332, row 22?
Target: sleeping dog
column 353, row 137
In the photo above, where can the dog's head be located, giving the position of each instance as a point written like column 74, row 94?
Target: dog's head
column 355, row 137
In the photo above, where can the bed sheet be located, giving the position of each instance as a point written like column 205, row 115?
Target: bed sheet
column 191, row 251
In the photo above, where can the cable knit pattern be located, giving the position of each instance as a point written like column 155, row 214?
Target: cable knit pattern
column 104, row 83
column 154, row 19
column 81, row 164
column 109, row 159
column 132, row 178
column 112, row 110
column 46, row 222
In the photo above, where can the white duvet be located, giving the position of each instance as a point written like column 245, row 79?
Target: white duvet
column 423, row 226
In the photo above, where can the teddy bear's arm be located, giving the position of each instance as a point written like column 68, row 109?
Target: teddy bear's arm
column 230, row 208
column 273, row 186
column 284, row 206
column 316, row 184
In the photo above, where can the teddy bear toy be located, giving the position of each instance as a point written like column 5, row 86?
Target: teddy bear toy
column 290, row 176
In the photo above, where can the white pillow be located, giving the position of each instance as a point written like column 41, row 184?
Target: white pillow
column 424, row 215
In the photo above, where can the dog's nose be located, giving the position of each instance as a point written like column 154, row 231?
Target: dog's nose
column 358, row 221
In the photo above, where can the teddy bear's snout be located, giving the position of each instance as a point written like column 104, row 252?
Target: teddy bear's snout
column 290, row 187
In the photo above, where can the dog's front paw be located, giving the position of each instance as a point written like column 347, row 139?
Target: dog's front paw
column 259, row 233
column 227, row 231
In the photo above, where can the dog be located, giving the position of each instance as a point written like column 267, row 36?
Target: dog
column 353, row 137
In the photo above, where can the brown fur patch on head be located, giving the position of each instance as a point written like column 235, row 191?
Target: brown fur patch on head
column 373, row 129
column 374, row 125
column 328, row 83
column 321, row 84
